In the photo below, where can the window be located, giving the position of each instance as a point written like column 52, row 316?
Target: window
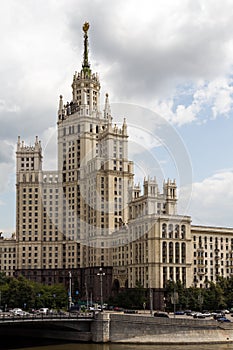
column 183, row 231
column 170, row 231
column 164, row 230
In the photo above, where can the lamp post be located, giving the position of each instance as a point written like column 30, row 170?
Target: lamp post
column 174, row 298
column 70, row 289
column 37, row 301
column 101, row 274
column 151, row 301
column 200, row 300
column 54, row 300
column 87, row 296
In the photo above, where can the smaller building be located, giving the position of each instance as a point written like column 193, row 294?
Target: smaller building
column 8, row 256
column 212, row 254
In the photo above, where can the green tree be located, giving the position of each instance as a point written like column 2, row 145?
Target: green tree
column 20, row 292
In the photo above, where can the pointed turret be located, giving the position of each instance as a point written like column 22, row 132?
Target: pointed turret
column 124, row 127
column 60, row 108
column 107, row 109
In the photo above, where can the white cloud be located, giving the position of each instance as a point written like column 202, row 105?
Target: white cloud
column 7, row 171
column 213, row 99
column 6, row 107
column 211, row 200
column 173, row 55
column 182, row 114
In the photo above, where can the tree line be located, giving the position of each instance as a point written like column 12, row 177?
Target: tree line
column 23, row 293
column 28, row 295
column 218, row 295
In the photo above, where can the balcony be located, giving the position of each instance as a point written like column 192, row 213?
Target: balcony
column 201, row 265
column 200, row 249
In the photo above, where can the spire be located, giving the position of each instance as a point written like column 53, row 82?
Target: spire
column 124, row 127
column 60, row 108
column 107, row 109
column 86, row 64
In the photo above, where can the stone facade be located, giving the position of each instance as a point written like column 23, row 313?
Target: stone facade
column 89, row 213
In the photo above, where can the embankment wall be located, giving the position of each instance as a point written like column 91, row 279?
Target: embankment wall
column 121, row 328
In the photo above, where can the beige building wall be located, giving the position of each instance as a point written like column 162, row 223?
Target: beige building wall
column 155, row 246
column 8, row 255
column 212, row 254
column 89, row 213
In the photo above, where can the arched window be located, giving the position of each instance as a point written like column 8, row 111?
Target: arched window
column 164, row 252
column 177, row 274
column 170, row 252
column 177, row 253
column 164, row 277
column 183, row 231
column 164, row 230
column 177, row 231
column 183, row 252
column 184, row 276
column 170, row 231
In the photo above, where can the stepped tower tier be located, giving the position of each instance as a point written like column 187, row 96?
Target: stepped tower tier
column 93, row 166
column 85, row 89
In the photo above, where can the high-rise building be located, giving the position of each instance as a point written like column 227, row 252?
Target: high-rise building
column 89, row 214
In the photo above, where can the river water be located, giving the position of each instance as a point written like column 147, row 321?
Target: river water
column 124, row 347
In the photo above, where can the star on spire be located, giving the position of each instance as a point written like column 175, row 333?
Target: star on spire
column 86, row 64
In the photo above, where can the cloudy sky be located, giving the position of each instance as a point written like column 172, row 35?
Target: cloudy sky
column 174, row 58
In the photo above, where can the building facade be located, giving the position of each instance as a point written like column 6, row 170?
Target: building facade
column 89, row 214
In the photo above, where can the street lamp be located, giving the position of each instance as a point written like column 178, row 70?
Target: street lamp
column 174, row 297
column 87, row 296
column 54, row 300
column 151, row 301
column 101, row 274
column 70, row 290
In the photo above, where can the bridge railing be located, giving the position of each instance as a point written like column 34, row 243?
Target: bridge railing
column 50, row 316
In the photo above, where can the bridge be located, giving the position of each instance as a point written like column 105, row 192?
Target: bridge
column 107, row 327
column 70, row 327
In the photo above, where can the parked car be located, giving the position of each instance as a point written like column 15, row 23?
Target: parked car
column 199, row 315
column 223, row 319
column 119, row 309
column 218, row 315
column 218, row 312
column 188, row 312
column 161, row 314
column 22, row 313
column 179, row 312
column 16, row 311
column 43, row 311
column 225, row 311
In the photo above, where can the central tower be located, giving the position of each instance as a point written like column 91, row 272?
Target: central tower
column 94, row 170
